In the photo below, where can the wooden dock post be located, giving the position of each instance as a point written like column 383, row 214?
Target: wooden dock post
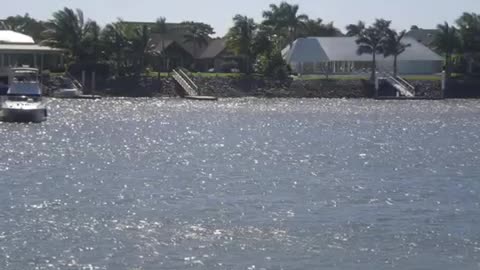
column 93, row 82
column 83, row 78
column 444, row 83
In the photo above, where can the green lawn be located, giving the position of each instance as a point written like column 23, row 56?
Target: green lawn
column 199, row 74
column 359, row 77
column 331, row 77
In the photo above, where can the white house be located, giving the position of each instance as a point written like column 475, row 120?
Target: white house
column 338, row 55
column 18, row 50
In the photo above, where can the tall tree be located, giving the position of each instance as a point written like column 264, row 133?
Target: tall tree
column 161, row 28
column 354, row 30
column 241, row 38
column 139, row 40
column 316, row 28
column 414, row 27
column 285, row 19
column 114, row 38
column 393, row 46
column 371, row 39
column 469, row 28
column 68, row 29
column 91, row 41
column 198, row 34
column 24, row 24
column 447, row 40
column 264, row 41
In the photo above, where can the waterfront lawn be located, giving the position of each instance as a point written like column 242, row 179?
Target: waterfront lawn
column 331, row 77
column 366, row 77
column 154, row 74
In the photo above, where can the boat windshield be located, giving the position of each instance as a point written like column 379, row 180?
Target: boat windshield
column 25, row 83
column 26, row 77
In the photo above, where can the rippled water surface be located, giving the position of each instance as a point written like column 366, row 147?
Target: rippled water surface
column 135, row 184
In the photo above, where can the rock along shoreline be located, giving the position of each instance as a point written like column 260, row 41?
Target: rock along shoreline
column 230, row 87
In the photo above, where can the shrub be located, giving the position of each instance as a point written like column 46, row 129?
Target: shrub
column 228, row 66
column 273, row 65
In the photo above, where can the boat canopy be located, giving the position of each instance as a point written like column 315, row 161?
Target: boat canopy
column 24, row 82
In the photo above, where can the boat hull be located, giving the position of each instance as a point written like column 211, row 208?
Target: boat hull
column 25, row 116
column 67, row 93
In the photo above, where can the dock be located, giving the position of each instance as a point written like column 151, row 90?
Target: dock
column 209, row 98
column 91, row 97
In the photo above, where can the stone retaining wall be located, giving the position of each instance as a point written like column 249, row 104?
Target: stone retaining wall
column 255, row 87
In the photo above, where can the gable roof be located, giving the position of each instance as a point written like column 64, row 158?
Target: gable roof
column 214, row 48
column 424, row 36
column 324, row 49
column 176, row 34
column 211, row 50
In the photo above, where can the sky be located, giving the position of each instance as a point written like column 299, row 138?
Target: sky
column 219, row 13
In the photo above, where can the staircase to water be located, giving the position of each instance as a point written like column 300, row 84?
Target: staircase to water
column 190, row 89
column 188, row 86
column 404, row 88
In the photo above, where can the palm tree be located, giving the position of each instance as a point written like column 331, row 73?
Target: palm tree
column 240, row 38
column 354, row 30
column 197, row 35
column 114, row 38
column 140, row 43
column 469, row 28
column 285, row 19
column 127, row 44
column 91, row 42
column 9, row 25
column 68, row 30
column 161, row 28
column 447, row 41
column 370, row 41
column 264, row 41
column 316, row 28
column 393, row 46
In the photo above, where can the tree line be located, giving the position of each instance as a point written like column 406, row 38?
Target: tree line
column 127, row 46
column 282, row 25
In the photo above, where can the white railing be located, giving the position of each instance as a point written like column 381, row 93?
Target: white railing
column 404, row 87
column 406, row 83
column 188, row 79
column 183, row 83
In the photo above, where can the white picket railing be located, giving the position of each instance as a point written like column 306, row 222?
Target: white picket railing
column 184, row 84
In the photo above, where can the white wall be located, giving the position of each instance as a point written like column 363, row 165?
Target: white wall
column 404, row 67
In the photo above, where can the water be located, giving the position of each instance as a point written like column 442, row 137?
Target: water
column 242, row 184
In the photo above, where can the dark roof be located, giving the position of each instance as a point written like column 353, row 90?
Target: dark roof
column 181, row 27
column 424, row 36
column 216, row 47
column 178, row 38
column 160, row 45
column 212, row 50
column 176, row 34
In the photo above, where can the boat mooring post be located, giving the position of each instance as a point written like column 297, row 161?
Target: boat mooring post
column 83, row 78
column 444, row 83
column 93, row 82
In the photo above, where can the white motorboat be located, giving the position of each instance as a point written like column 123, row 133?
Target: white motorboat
column 67, row 88
column 24, row 102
